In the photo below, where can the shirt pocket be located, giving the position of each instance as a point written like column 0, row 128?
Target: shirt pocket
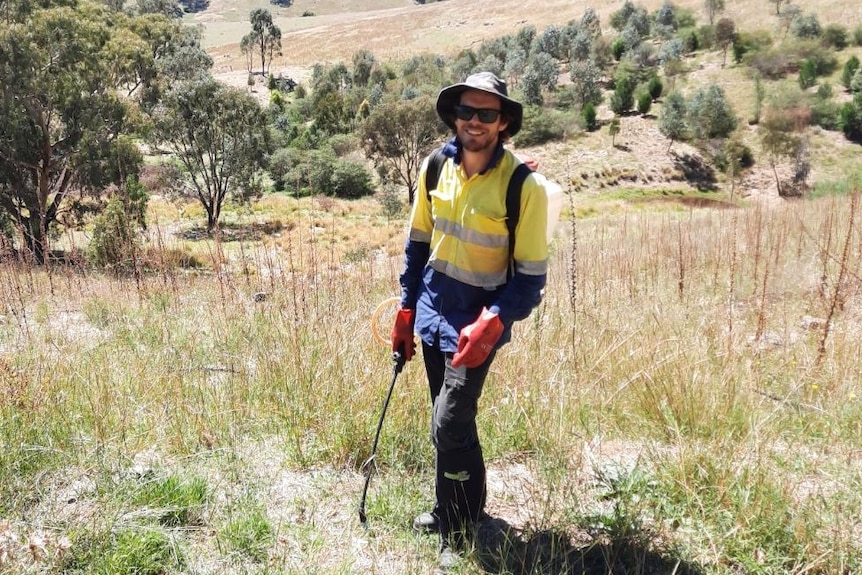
column 486, row 241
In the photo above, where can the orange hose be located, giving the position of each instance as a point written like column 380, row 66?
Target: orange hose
column 375, row 320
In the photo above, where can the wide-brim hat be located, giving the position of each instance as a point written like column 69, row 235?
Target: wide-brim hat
column 450, row 97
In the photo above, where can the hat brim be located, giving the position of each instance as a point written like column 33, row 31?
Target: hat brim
column 450, row 97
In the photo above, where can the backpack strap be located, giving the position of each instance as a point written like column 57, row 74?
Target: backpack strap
column 513, row 203
column 435, row 168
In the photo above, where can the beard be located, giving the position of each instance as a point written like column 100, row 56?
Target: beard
column 480, row 143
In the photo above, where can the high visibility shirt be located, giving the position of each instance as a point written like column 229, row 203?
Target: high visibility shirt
column 457, row 252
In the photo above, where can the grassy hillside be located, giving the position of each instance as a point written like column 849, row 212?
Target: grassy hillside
column 685, row 400
column 395, row 30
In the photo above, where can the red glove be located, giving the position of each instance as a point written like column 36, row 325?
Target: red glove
column 477, row 340
column 402, row 333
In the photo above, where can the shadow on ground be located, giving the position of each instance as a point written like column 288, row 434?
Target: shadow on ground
column 501, row 549
column 695, row 171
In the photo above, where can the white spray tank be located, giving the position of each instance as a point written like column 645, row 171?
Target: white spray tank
column 555, row 203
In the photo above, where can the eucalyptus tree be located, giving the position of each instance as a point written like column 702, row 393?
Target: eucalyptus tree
column 63, row 137
column 219, row 136
column 586, row 82
column 590, row 22
column 672, row 118
column 713, row 8
column 710, row 114
column 264, row 38
column 398, row 134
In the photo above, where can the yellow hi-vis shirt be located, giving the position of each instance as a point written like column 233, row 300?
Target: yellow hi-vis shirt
column 465, row 224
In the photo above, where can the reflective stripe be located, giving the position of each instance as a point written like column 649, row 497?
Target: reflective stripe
column 532, row 268
column 471, row 236
column 461, row 476
column 417, row 235
column 488, row 280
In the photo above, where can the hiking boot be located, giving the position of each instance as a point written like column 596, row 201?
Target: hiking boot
column 449, row 560
column 426, row 523
column 430, row 523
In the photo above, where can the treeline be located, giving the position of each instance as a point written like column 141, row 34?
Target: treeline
column 87, row 85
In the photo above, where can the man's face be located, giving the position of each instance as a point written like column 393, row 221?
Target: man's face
column 474, row 134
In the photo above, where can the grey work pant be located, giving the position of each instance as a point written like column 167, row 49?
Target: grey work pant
column 460, row 481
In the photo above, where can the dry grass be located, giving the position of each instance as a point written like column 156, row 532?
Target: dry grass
column 701, row 385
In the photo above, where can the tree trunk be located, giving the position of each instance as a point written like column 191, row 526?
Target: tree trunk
column 35, row 237
column 777, row 180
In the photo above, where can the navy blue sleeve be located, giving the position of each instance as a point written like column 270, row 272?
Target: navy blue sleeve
column 520, row 296
column 415, row 257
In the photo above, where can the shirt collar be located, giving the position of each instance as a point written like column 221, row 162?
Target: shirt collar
column 454, row 148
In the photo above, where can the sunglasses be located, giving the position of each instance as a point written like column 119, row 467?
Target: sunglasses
column 486, row 115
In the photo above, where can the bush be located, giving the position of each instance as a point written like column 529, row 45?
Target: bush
column 391, row 200
column 850, row 116
column 777, row 62
column 807, row 75
column 824, row 113
column 706, row 37
column 644, row 103
column 750, row 42
column 589, row 115
column 835, row 36
column 773, row 64
column 655, row 87
column 343, row 144
column 807, row 26
column 849, row 70
column 618, row 48
column 350, row 180
column 114, row 244
column 856, row 36
column 545, row 125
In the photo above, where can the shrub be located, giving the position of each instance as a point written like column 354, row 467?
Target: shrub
column 835, row 36
column 655, row 87
column 824, row 59
column 545, row 125
column 750, row 42
column 856, row 36
column 589, row 114
column 114, row 243
column 618, row 48
column 391, row 200
column 849, row 70
column 706, row 37
column 807, row 26
column 644, row 102
column 773, row 64
column 856, row 81
column 850, row 116
column 343, row 144
column 350, row 179
column 807, row 74
column 824, row 109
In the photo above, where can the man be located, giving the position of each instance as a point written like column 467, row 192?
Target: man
column 457, row 290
